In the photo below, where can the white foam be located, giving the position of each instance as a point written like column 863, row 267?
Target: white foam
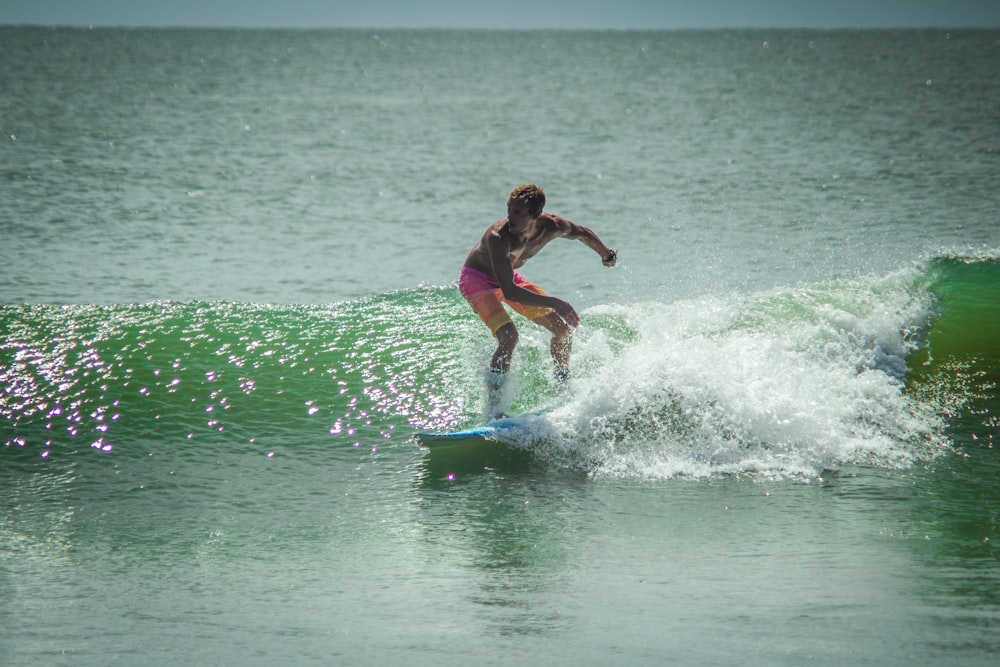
column 786, row 383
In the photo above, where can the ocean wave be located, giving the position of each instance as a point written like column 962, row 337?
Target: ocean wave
column 789, row 382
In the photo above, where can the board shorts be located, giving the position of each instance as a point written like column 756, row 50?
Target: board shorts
column 483, row 293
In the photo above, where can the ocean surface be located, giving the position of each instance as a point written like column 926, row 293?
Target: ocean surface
column 228, row 303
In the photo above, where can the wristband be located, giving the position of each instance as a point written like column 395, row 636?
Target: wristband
column 612, row 256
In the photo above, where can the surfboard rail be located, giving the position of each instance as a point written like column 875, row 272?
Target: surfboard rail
column 491, row 431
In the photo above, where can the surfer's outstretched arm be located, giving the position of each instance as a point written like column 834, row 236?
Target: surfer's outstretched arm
column 571, row 230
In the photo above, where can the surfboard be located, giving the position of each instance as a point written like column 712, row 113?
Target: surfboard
column 503, row 429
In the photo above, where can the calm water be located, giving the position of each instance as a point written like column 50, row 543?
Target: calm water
column 229, row 302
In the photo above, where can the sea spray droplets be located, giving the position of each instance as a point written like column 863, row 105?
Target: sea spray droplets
column 780, row 384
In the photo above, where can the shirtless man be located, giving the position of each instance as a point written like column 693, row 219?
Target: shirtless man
column 490, row 278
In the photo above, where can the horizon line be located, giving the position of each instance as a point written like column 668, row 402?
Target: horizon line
column 691, row 28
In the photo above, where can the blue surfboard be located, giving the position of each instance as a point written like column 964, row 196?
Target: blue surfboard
column 505, row 429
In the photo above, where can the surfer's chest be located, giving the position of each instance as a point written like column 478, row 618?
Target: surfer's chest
column 521, row 248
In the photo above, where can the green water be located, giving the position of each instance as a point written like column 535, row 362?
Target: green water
column 229, row 303
column 176, row 473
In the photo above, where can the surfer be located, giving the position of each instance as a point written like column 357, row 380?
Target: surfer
column 490, row 278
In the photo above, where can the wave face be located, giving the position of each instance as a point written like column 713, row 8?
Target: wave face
column 791, row 382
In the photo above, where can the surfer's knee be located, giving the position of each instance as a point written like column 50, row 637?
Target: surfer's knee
column 507, row 337
column 556, row 325
column 506, row 342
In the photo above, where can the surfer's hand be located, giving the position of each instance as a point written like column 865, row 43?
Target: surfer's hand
column 611, row 259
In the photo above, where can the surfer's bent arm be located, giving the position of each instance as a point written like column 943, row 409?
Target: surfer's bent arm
column 573, row 231
column 503, row 270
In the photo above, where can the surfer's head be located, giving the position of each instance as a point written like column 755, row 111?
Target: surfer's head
column 532, row 196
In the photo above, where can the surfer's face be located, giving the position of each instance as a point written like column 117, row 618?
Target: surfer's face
column 517, row 211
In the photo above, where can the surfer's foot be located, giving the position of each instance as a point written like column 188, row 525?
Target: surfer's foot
column 562, row 376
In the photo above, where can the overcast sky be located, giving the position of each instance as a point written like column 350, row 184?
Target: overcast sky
column 569, row 14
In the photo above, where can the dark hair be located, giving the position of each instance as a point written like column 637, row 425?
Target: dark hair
column 531, row 195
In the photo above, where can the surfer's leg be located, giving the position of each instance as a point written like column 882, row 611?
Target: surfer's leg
column 497, row 397
column 562, row 334
column 561, row 345
column 489, row 307
column 507, row 337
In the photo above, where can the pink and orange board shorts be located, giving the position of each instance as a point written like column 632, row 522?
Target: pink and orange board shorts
column 486, row 298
